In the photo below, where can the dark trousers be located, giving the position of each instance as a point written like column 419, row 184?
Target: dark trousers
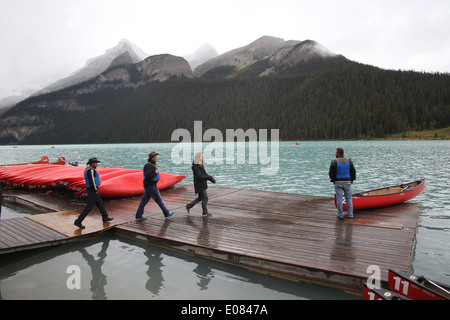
column 151, row 192
column 203, row 197
column 93, row 200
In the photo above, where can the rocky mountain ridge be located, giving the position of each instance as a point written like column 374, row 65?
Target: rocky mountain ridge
column 204, row 53
column 298, row 86
column 122, row 68
column 258, row 50
column 96, row 66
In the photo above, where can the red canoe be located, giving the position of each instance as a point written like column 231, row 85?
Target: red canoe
column 380, row 294
column 417, row 287
column 44, row 159
column 61, row 161
column 116, row 182
column 387, row 196
column 131, row 184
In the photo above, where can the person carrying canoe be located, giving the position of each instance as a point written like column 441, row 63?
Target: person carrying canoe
column 92, row 179
column 151, row 178
column 342, row 173
column 200, row 184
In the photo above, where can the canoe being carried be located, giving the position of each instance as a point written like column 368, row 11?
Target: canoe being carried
column 387, row 196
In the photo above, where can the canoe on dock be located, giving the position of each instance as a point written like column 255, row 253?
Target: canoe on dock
column 387, row 196
column 115, row 182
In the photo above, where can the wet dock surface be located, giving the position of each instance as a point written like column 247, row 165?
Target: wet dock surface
column 289, row 235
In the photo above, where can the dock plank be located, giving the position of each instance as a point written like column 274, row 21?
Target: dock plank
column 62, row 222
column 20, row 233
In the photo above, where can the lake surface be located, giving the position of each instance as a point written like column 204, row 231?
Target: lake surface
column 301, row 169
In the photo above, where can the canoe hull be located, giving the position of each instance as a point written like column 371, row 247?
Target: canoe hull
column 414, row 288
column 380, row 294
column 131, row 184
column 115, row 182
column 405, row 192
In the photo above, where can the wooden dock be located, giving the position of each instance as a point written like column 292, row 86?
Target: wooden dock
column 288, row 235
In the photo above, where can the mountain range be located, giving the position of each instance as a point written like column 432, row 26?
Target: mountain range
column 269, row 83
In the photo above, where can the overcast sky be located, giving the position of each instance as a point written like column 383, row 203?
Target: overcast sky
column 45, row 40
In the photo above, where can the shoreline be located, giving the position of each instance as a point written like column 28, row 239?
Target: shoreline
column 396, row 137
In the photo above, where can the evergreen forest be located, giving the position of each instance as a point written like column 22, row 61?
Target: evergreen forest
column 324, row 99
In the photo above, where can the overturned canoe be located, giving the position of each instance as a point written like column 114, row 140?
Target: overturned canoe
column 115, row 182
column 131, row 184
column 387, row 196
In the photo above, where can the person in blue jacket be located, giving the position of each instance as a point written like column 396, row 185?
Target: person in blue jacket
column 92, row 183
column 151, row 178
column 342, row 173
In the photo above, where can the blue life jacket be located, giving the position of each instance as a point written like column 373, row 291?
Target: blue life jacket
column 343, row 170
column 88, row 181
column 156, row 168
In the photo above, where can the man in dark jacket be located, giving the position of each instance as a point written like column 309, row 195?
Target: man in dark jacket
column 342, row 173
column 151, row 178
column 92, row 183
column 200, row 184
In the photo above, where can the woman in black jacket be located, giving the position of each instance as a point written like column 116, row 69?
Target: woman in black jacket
column 200, row 184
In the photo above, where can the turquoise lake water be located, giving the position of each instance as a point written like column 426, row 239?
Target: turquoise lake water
column 115, row 268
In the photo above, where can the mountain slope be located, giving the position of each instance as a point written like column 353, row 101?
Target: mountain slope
column 201, row 55
column 301, row 89
column 35, row 115
column 258, row 50
column 97, row 65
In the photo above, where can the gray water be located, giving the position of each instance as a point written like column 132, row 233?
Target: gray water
column 118, row 268
column 303, row 169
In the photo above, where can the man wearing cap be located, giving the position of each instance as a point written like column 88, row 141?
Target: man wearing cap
column 151, row 178
column 92, row 183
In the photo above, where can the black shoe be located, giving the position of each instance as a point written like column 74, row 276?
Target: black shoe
column 108, row 219
column 187, row 208
column 79, row 225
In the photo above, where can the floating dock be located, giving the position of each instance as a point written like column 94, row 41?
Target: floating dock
column 288, row 235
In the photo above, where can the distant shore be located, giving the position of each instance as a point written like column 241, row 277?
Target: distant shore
column 439, row 134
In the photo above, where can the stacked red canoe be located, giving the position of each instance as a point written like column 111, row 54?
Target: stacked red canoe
column 115, row 182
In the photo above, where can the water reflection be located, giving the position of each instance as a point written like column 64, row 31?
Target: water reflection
column 204, row 275
column 119, row 268
column 343, row 250
column 98, row 281
column 203, row 231
column 155, row 279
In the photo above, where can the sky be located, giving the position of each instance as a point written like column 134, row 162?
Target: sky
column 45, row 40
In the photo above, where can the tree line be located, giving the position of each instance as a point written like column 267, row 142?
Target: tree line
column 344, row 100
